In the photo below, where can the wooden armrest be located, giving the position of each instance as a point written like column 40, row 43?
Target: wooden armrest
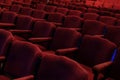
column 42, row 39
column 30, row 77
column 20, row 31
column 102, row 66
column 66, row 51
column 4, row 25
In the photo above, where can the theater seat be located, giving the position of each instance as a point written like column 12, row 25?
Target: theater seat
column 93, row 27
column 6, row 39
column 56, row 18
column 72, row 21
column 108, row 20
column 21, row 61
column 75, row 12
column 110, row 69
column 94, row 50
column 90, row 16
column 113, row 34
column 64, row 39
column 62, row 10
column 26, row 11
column 55, row 67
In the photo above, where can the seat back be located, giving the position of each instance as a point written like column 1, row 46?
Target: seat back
column 90, row 16
column 108, row 20
column 43, row 29
column 6, row 39
column 75, row 12
column 93, row 27
column 113, row 34
column 55, row 67
column 65, row 38
column 23, row 22
column 72, row 21
column 94, row 50
column 62, row 10
column 21, row 59
column 55, row 17
column 8, row 17
column 26, row 11
column 38, row 14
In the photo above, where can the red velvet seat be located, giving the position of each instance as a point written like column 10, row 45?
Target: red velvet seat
column 26, row 11
column 49, row 8
column 72, row 21
column 93, row 27
column 113, row 34
column 38, row 14
column 94, row 50
column 75, row 12
column 6, row 39
column 55, row 67
column 40, row 6
column 108, row 20
column 21, row 61
column 56, row 18
column 15, row 8
column 64, row 40
column 8, row 17
column 62, row 10
column 90, row 16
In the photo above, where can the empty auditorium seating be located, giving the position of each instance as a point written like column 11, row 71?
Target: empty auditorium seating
column 105, row 13
column 93, row 27
column 110, row 68
column 15, row 8
column 64, row 39
column 75, row 12
column 113, row 34
column 22, row 24
column 41, row 29
column 94, row 50
column 92, row 10
column 49, row 8
column 40, row 6
column 90, row 16
column 22, row 60
column 72, row 21
column 62, row 10
column 8, row 17
column 38, row 14
column 56, row 18
column 55, row 67
column 6, row 39
column 108, row 20
column 83, row 9
column 26, row 11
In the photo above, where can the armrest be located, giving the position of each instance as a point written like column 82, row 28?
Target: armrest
column 99, row 35
column 2, row 58
column 20, row 31
column 66, row 51
column 6, row 25
column 57, row 24
column 42, row 39
column 101, row 67
column 37, row 19
column 30, row 77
